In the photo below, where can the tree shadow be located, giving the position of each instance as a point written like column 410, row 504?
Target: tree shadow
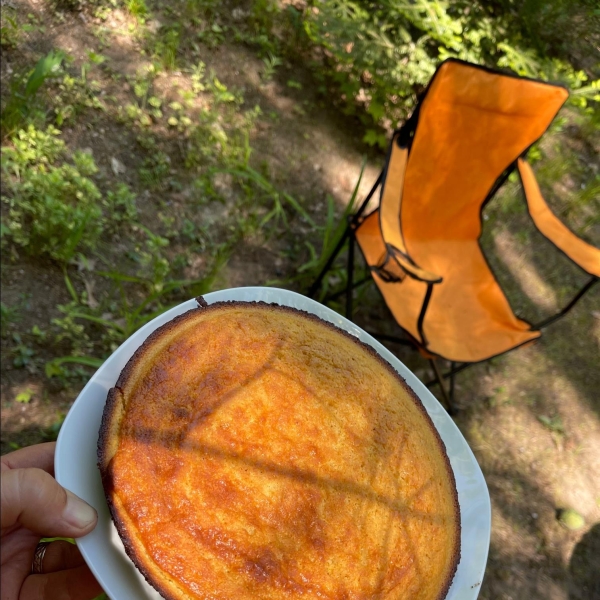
column 584, row 580
column 570, row 342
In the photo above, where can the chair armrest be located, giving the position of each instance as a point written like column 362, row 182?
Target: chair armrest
column 389, row 220
column 393, row 258
column 413, row 270
column 581, row 253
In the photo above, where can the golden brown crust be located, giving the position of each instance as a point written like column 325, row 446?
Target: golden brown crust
column 114, row 410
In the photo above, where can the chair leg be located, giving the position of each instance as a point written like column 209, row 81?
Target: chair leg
column 350, row 286
column 355, row 285
column 315, row 286
column 569, row 306
column 449, row 406
column 451, row 394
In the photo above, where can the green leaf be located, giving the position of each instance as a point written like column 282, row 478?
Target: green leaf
column 70, row 287
column 373, row 138
column 552, row 423
column 52, row 367
column 44, row 68
column 97, row 59
column 376, row 110
column 25, row 396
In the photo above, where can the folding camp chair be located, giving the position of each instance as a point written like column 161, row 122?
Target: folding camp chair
column 471, row 128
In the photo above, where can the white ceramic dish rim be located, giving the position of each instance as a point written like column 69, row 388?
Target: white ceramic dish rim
column 76, row 469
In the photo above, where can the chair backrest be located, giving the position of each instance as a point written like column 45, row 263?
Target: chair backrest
column 472, row 125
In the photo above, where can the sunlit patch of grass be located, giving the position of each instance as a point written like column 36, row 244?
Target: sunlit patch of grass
column 137, row 9
column 166, row 47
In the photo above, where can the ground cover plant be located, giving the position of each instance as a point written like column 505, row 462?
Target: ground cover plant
column 153, row 151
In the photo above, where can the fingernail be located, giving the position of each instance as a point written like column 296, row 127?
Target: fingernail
column 77, row 512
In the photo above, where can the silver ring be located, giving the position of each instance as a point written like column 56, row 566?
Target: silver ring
column 38, row 558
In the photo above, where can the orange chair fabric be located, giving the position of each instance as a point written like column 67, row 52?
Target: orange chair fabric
column 580, row 252
column 395, row 249
column 473, row 124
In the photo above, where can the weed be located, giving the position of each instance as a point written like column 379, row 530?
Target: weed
column 166, row 47
column 79, row 321
column 333, row 232
column 50, row 433
column 197, row 75
column 22, row 353
column 72, row 332
column 9, row 28
column 263, row 16
column 134, row 114
column 73, row 95
column 120, row 205
column 151, row 260
column 10, row 316
column 212, row 35
column 553, row 424
column 137, row 9
column 265, row 197
column 102, row 33
column 271, row 63
column 39, row 334
column 147, row 106
column 20, row 103
column 53, row 207
column 206, row 8
column 56, row 368
column 25, row 396
column 154, row 170
column 220, row 93
column 214, row 139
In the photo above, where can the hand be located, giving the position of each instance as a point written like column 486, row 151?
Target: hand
column 34, row 505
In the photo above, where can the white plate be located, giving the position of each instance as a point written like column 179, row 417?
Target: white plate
column 76, row 467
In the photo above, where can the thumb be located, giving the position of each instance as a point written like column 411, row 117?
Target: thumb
column 35, row 500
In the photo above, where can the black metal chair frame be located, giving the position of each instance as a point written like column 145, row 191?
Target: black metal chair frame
column 353, row 222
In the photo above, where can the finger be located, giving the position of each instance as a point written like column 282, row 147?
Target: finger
column 72, row 584
column 34, row 499
column 61, row 555
column 40, row 456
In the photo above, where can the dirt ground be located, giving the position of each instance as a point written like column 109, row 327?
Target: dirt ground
column 532, row 417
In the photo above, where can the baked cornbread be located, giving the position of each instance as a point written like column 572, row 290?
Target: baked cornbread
column 253, row 451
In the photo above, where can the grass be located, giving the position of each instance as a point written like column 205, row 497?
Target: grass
column 55, row 208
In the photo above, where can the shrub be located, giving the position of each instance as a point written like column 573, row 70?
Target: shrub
column 53, row 206
column 380, row 55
